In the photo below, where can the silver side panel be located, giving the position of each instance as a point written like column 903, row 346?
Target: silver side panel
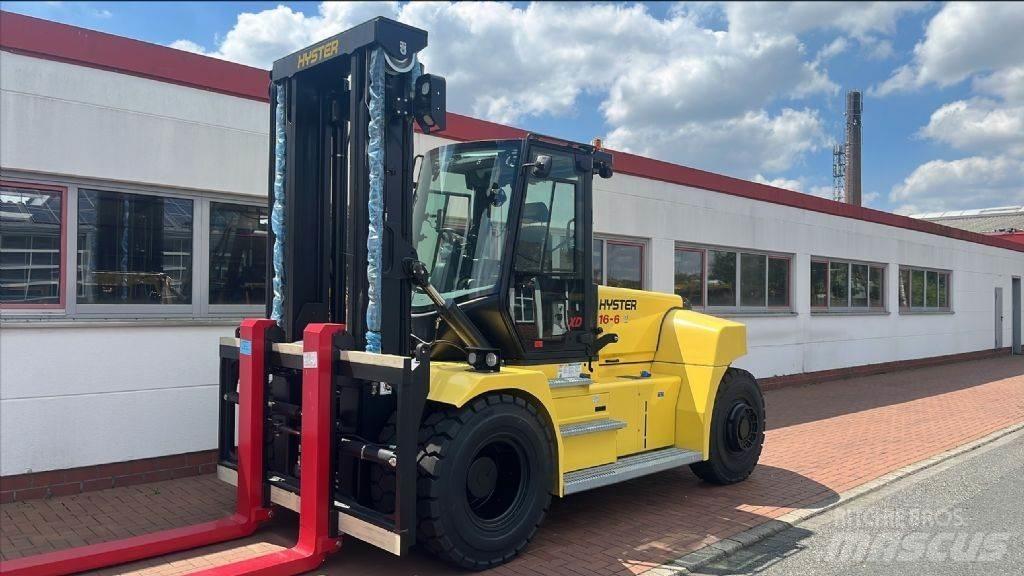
column 628, row 468
column 365, row 531
column 590, row 427
column 567, row 382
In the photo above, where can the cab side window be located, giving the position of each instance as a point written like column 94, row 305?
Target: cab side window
column 547, row 295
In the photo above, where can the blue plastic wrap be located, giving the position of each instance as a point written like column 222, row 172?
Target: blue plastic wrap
column 277, row 211
column 375, row 204
column 125, row 227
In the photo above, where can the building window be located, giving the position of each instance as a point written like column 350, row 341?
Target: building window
column 238, row 254
column 31, row 245
column 619, row 263
column 134, row 249
column 925, row 290
column 727, row 279
column 721, row 278
column 819, row 284
column 778, row 282
column 838, row 285
column 689, row 276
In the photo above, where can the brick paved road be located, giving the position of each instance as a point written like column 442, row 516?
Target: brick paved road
column 823, row 440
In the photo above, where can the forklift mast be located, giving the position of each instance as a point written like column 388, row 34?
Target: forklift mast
column 324, row 130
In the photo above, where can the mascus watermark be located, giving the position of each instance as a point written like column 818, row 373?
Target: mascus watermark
column 911, row 535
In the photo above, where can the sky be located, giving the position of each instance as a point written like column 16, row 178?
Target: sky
column 750, row 90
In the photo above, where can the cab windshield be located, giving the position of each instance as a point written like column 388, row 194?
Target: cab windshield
column 460, row 216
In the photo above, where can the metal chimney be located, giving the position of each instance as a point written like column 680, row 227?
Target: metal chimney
column 854, row 106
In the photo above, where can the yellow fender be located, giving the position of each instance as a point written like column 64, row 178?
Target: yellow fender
column 698, row 348
column 456, row 384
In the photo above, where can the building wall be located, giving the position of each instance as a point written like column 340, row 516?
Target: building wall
column 65, row 119
column 78, row 389
column 791, row 343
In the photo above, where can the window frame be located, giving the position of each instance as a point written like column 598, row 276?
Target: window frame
column 939, row 272
column 84, row 309
column 62, row 297
column 737, row 308
column 198, row 311
column 229, row 310
column 828, row 308
column 703, row 272
column 621, row 241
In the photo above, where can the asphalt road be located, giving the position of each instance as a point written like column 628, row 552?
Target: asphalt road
column 963, row 516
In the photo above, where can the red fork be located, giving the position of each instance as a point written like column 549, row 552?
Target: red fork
column 250, row 511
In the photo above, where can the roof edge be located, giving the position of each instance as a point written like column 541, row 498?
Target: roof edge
column 65, row 43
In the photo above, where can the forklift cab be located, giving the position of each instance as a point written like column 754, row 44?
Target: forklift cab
column 504, row 229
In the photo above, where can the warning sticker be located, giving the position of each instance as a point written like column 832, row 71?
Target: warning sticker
column 245, row 347
column 309, row 359
column 569, row 370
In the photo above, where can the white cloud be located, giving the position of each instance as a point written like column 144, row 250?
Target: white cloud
column 718, row 80
column 794, row 184
column 1007, row 83
column 879, row 49
column 832, row 49
column 801, row 185
column 189, row 46
column 676, row 87
column 752, row 142
column 978, row 124
column 962, row 39
column 973, row 182
column 259, row 38
column 858, row 19
column 982, row 42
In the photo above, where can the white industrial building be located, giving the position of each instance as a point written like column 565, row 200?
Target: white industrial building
column 96, row 370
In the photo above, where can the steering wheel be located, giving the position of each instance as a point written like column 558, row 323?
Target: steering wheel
column 452, row 236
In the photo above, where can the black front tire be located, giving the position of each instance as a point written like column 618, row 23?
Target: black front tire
column 737, row 430
column 485, row 480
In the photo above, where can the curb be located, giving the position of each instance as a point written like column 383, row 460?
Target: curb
column 726, row 546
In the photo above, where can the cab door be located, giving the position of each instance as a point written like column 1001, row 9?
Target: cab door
column 551, row 295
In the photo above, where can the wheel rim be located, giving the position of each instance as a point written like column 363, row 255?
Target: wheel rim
column 743, row 427
column 495, row 482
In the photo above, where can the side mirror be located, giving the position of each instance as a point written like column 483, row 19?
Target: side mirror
column 541, row 168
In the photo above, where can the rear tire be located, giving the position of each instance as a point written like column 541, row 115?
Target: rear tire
column 737, row 430
column 485, row 475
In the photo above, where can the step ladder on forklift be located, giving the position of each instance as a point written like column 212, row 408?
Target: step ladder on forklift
column 623, row 468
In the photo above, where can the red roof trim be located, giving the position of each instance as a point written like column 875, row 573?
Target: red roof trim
column 54, row 41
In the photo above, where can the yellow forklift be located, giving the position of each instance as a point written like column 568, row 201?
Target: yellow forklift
column 438, row 362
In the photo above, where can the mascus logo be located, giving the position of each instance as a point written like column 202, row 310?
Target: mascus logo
column 617, row 304
column 318, row 53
